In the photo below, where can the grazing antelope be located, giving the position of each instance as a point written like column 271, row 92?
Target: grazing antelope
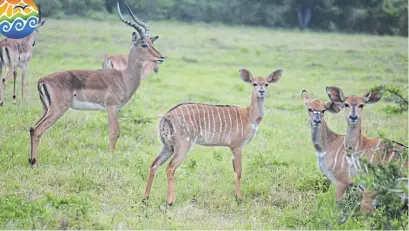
column 355, row 141
column 104, row 89
column 17, row 53
column 210, row 125
column 329, row 146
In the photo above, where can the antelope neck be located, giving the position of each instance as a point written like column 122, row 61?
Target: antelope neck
column 256, row 110
column 132, row 75
column 353, row 136
column 321, row 136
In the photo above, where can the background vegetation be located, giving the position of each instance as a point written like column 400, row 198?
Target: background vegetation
column 369, row 16
column 81, row 185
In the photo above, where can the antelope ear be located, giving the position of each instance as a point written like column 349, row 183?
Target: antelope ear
column 304, row 95
column 275, row 76
column 153, row 39
column 334, row 107
column 335, row 94
column 374, row 95
column 246, row 76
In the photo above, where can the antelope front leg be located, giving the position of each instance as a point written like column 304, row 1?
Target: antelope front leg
column 237, row 171
column 23, row 82
column 113, row 124
column 366, row 205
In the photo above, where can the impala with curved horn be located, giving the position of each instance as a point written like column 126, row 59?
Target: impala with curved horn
column 120, row 61
column 104, row 89
column 17, row 53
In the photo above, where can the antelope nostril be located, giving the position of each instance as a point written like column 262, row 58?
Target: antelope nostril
column 317, row 121
column 163, row 57
column 353, row 117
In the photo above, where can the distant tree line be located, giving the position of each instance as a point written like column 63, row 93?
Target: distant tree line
column 368, row 16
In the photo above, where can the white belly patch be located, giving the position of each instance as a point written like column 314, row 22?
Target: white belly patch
column 83, row 105
column 321, row 164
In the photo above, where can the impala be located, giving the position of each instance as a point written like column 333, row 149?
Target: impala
column 120, row 61
column 210, row 125
column 329, row 146
column 355, row 141
column 17, row 53
column 104, row 89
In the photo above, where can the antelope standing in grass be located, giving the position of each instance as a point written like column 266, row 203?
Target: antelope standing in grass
column 210, row 125
column 17, row 53
column 329, row 146
column 104, row 89
column 120, row 61
column 355, row 141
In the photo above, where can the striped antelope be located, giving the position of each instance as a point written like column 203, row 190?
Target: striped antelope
column 355, row 141
column 210, row 125
column 104, row 89
column 329, row 146
column 17, row 53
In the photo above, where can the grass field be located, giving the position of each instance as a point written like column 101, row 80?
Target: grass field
column 81, row 185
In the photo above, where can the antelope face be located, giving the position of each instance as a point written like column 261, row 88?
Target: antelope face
column 354, row 104
column 316, row 109
column 260, row 84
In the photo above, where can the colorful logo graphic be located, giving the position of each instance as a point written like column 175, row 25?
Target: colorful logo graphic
column 18, row 18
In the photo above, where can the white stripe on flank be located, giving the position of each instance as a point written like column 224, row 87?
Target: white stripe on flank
column 44, row 96
column 353, row 161
column 384, row 156
column 391, row 156
column 194, row 119
column 379, row 142
column 177, row 117
column 343, row 159
column 237, row 118
column 212, row 131
column 225, row 124
column 362, row 154
column 373, row 154
column 184, row 119
column 231, row 126
column 200, row 120
column 336, row 156
column 190, row 119
column 207, row 124
column 220, row 125
column 242, row 126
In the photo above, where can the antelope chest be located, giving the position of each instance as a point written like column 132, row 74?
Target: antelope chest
column 322, row 165
column 250, row 136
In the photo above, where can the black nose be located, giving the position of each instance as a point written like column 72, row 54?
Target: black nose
column 317, row 122
column 163, row 57
column 261, row 92
column 353, row 118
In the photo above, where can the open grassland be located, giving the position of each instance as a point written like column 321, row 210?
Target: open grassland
column 81, row 185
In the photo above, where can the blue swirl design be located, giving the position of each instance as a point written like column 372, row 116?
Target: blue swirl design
column 19, row 28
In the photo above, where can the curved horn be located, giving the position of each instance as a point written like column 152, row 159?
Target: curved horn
column 144, row 25
column 129, row 23
column 39, row 13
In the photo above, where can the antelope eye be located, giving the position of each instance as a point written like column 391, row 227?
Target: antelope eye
column 255, row 84
column 309, row 109
column 346, row 105
column 144, row 46
column 266, row 85
column 361, row 106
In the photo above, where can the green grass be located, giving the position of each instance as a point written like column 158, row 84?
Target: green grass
column 81, row 185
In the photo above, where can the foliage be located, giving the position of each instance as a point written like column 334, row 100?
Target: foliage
column 399, row 97
column 369, row 16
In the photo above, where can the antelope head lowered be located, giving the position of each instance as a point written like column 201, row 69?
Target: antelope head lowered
column 103, row 89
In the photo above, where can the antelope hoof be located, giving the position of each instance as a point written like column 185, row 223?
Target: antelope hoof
column 170, row 204
column 239, row 200
column 32, row 161
column 1, row 104
column 145, row 200
column 14, row 99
